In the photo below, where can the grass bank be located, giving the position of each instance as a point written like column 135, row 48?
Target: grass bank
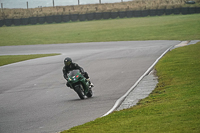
column 174, row 105
column 91, row 8
column 173, row 27
column 8, row 59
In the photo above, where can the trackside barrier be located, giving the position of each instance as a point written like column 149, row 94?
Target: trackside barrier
column 122, row 14
column 82, row 17
column 74, row 17
column 90, row 16
column 137, row 13
column 1, row 23
column 65, row 18
column 33, row 20
column 57, row 18
column 129, row 14
column 41, row 20
column 144, row 13
column 8, row 22
column 97, row 16
column 24, row 21
column 106, row 15
column 114, row 15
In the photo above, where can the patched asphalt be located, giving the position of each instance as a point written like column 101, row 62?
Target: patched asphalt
column 146, row 85
column 141, row 91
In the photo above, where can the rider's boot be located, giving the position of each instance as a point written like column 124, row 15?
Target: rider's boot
column 91, row 84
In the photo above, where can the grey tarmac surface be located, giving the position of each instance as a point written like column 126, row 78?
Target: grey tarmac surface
column 33, row 95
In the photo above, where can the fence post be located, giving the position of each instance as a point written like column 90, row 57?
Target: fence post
column 78, row 2
column 2, row 7
column 99, row 1
column 53, row 3
column 27, row 4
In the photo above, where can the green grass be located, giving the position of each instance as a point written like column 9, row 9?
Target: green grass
column 8, row 59
column 173, row 27
column 174, row 105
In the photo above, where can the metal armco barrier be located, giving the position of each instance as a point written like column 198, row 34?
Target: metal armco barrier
column 98, row 16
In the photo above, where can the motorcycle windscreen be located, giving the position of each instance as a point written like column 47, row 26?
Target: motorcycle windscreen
column 73, row 73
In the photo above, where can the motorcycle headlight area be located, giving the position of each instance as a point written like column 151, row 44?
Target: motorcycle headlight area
column 75, row 77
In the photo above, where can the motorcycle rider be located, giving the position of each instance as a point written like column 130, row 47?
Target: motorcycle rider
column 69, row 66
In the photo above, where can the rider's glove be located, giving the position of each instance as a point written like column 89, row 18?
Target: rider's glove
column 83, row 73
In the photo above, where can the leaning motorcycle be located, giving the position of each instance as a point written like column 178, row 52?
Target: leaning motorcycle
column 80, row 84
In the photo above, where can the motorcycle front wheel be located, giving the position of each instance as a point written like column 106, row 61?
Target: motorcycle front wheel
column 80, row 91
column 89, row 94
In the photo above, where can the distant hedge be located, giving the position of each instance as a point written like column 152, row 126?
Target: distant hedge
column 98, row 16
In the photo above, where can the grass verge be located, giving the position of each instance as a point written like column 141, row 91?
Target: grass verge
column 173, row 27
column 174, row 105
column 8, row 59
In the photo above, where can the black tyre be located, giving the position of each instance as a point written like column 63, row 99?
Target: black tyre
column 89, row 94
column 80, row 91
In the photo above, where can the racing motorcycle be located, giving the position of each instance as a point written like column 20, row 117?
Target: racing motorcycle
column 80, row 84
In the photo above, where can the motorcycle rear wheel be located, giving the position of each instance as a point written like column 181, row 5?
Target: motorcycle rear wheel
column 80, row 91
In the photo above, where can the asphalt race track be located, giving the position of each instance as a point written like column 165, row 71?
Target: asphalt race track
column 33, row 95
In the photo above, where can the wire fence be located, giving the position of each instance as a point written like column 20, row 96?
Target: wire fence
column 49, row 3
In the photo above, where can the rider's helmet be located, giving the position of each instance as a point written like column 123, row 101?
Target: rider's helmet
column 67, row 61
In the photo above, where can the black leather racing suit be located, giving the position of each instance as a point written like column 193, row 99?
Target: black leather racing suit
column 73, row 66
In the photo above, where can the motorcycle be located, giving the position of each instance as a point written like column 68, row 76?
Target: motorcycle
column 80, row 84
